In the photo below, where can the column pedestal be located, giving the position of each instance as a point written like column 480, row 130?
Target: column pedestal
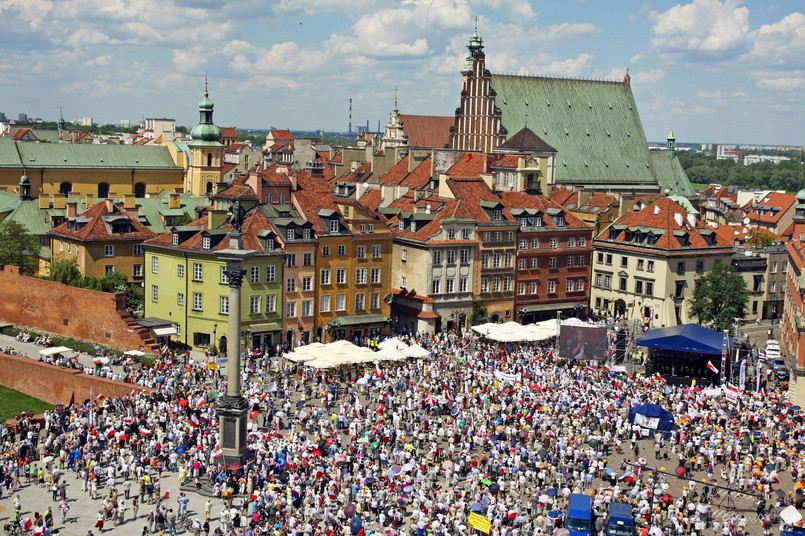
column 232, row 415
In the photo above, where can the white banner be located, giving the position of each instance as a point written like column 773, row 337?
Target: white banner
column 731, row 392
column 742, row 376
column 509, row 378
column 757, row 376
column 646, row 422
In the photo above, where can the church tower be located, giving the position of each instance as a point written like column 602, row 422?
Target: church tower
column 394, row 135
column 206, row 152
column 478, row 124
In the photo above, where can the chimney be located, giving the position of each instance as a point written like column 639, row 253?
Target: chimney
column 691, row 219
column 584, row 196
column 129, row 201
column 71, row 209
column 678, row 218
column 627, row 204
column 215, row 218
column 173, row 201
column 89, row 200
column 59, row 201
column 110, row 206
column 111, row 195
column 74, row 195
column 44, row 201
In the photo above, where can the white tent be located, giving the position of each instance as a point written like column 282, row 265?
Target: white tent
column 790, row 515
column 134, row 352
column 391, row 354
column 415, row 350
column 514, row 332
column 394, row 343
column 56, row 350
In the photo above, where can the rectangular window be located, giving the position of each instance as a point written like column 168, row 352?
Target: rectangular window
column 680, row 268
column 772, row 287
column 600, row 258
column 155, row 265
column 270, row 244
column 485, row 260
column 553, row 243
column 509, row 260
column 154, row 293
column 205, row 242
column 507, row 284
column 534, row 263
column 437, row 256
column 520, row 288
column 254, row 274
column 224, row 276
column 623, row 282
column 495, row 284
column 451, row 234
column 290, row 310
column 571, row 242
column 436, row 286
column 361, row 252
column 325, row 276
column 552, row 262
column 609, row 258
column 270, row 199
column 340, row 276
column 307, row 308
column 638, row 287
column 551, row 287
column 624, row 261
column 579, row 285
column 535, row 243
column 699, row 267
column 375, row 252
column 569, row 286
column 375, row 276
column 197, row 271
column 450, row 286
column 498, row 236
column 180, row 299
column 360, row 302
column 136, row 270
column 496, row 261
column 462, row 284
column 61, row 245
column 650, row 266
column 465, row 256
column 108, row 251
column 333, row 226
column 271, row 273
column 598, row 279
column 608, row 281
column 290, row 284
column 360, row 276
column 582, row 242
column 485, row 236
column 649, row 288
column 307, row 259
column 523, row 244
column 340, row 302
column 451, row 256
column 77, row 249
column 465, row 234
column 306, row 234
column 307, row 283
column 581, row 260
column 223, row 305
column 371, row 227
column 201, row 339
column 197, row 301
column 404, row 255
column 271, row 303
column 532, row 288
column 342, row 250
column 403, row 281
column 570, row 261
column 325, row 251
column 374, row 300
column 484, row 284
column 509, row 236
column 291, row 260
column 137, row 249
column 281, row 198
column 291, row 234
column 640, row 264
column 521, row 264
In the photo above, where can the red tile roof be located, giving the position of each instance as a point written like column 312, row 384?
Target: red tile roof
column 471, row 165
column 238, row 190
column 774, row 199
column 399, row 175
column 371, row 198
column 97, row 229
column 21, row 133
column 542, row 203
column 313, row 194
column 469, row 193
column 281, row 134
column 563, row 196
column 526, row 140
column 427, row 130
column 229, row 132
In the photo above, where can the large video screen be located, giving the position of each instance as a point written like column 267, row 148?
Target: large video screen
column 583, row 343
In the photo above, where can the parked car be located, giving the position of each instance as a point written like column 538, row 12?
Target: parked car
column 779, row 367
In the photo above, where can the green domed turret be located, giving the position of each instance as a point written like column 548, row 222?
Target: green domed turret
column 205, row 131
column 801, row 197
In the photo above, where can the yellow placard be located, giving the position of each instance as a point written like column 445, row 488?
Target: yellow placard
column 212, row 366
column 480, row 522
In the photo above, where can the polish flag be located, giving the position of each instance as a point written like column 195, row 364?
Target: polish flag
column 381, row 409
column 200, row 403
column 167, row 494
column 218, row 452
column 712, row 367
column 607, row 369
column 378, row 372
column 100, row 397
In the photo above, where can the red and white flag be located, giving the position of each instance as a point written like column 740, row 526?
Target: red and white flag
column 378, row 372
column 712, row 367
column 607, row 369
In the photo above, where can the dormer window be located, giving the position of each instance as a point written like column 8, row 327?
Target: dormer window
column 306, row 234
column 413, row 226
column 560, row 221
column 497, row 215
column 175, row 241
column 269, row 244
column 401, row 225
column 451, row 234
column 291, row 233
column 523, row 222
column 333, row 226
column 205, row 242
column 538, row 221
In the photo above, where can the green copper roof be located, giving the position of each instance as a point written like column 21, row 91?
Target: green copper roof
column 594, row 125
column 83, row 156
column 670, row 174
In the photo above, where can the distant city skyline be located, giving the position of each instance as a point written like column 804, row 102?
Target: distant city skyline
column 713, row 71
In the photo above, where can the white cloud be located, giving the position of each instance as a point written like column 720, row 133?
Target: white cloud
column 781, row 43
column 702, row 27
column 783, row 83
column 315, row 7
column 102, row 60
column 569, row 67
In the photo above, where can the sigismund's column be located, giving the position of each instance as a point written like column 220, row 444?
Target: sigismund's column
column 233, row 407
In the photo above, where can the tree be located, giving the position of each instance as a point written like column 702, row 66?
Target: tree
column 478, row 315
column 760, row 238
column 720, row 296
column 114, row 281
column 65, row 271
column 184, row 219
column 18, row 247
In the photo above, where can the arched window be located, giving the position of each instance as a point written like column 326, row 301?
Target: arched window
column 208, row 188
column 209, row 159
column 139, row 190
column 65, row 188
column 103, row 189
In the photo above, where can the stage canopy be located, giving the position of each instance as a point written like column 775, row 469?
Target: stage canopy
column 686, row 338
column 652, row 417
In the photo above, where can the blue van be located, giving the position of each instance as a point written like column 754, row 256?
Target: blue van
column 620, row 521
column 579, row 520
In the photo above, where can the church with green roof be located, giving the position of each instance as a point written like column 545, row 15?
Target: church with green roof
column 594, row 126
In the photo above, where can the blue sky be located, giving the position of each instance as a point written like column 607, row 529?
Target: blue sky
column 713, row 70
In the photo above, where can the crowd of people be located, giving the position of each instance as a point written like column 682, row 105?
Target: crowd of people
column 414, row 447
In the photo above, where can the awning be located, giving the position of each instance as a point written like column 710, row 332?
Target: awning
column 164, row 332
column 56, row 350
column 262, row 328
column 154, row 322
column 549, row 307
column 356, row 320
column 685, row 338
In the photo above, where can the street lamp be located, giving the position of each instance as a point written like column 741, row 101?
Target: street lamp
column 757, row 196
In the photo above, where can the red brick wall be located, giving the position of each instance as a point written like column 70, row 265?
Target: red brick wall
column 55, row 384
column 80, row 313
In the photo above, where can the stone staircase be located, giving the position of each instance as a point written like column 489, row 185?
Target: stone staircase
column 148, row 342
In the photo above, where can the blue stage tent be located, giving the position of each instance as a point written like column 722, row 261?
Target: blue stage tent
column 652, row 417
column 686, row 338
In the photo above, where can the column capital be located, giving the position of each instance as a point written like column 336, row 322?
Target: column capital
column 234, row 277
